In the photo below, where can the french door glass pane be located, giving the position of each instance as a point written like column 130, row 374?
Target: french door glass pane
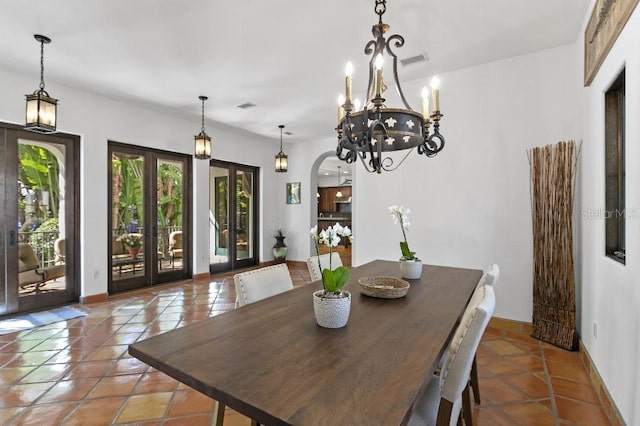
column 244, row 215
column 219, row 215
column 169, row 212
column 127, row 209
column 41, row 216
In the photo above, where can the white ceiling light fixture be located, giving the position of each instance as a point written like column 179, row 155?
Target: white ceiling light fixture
column 202, row 140
column 42, row 109
column 281, row 158
column 374, row 131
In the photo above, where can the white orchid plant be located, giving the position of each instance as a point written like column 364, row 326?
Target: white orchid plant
column 400, row 215
column 332, row 280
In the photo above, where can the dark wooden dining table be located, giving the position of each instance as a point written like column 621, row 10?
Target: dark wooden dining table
column 271, row 361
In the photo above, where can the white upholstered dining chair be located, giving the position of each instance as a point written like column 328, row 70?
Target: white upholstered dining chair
column 441, row 403
column 314, row 262
column 259, row 284
column 489, row 277
column 255, row 285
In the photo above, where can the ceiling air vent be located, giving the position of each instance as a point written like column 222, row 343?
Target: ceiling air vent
column 414, row 59
column 246, row 105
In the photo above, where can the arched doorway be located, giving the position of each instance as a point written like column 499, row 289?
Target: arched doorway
column 331, row 196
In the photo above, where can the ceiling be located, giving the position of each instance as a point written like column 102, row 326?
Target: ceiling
column 285, row 56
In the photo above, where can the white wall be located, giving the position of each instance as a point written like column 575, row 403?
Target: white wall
column 609, row 291
column 98, row 119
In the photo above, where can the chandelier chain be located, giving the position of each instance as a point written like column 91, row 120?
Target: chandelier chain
column 281, row 127
column 42, row 65
column 202, row 115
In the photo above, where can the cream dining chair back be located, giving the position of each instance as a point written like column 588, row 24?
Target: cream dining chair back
column 259, row 284
column 491, row 274
column 489, row 277
column 314, row 262
column 443, row 399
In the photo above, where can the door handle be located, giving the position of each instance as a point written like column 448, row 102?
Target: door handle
column 12, row 238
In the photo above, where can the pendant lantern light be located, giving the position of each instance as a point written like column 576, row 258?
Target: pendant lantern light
column 281, row 157
column 202, row 140
column 41, row 114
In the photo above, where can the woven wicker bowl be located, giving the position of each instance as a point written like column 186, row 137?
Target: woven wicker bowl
column 383, row 287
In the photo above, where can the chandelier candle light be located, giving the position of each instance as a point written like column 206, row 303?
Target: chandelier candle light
column 41, row 114
column 377, row 129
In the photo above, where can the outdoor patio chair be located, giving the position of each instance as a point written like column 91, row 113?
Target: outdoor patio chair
column 58, row 247
column 30, row 272
column 175, row 246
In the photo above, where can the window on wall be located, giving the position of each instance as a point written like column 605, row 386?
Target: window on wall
column 615, row 169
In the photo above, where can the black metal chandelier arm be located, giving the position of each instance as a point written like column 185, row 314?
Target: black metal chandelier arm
column 399, row 42
column 346, row 130
column 348, row 157
column 432, row 145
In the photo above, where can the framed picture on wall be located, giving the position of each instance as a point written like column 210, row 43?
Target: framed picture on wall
column 293, row 193
column 605, row 24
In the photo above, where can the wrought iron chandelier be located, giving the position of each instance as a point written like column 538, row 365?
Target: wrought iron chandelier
column 281, row 158
column 41, row 114
column 371, row 132
column 202, row 140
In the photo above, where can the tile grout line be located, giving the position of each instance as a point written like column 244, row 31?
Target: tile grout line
column 552, row 397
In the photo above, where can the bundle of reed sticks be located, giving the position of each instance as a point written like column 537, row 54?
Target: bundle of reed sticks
column 553, row 175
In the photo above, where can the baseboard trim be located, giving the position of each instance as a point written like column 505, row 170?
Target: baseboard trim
column 296, row 263
column 609, row 406
column 94, row 298
column 611, row 410
column 202, row 276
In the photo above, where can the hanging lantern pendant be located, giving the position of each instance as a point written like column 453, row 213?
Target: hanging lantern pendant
column 281, row 157
column 202, row 140
column 41, row 111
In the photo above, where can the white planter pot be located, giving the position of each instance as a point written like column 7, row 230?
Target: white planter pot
column 411, row 269
column 331, row 312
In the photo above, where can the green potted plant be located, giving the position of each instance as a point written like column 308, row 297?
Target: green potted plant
column 279, row 248
column 410, row 264
column 133, row 244
column 332, row 304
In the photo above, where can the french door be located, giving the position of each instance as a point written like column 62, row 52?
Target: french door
column 149, row 217
column 233, row 216
column 39, row 219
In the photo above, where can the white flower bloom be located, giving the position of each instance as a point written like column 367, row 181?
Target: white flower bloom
column 331, row 236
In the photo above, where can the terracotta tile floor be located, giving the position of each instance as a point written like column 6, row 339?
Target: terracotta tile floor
column 79, row 372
